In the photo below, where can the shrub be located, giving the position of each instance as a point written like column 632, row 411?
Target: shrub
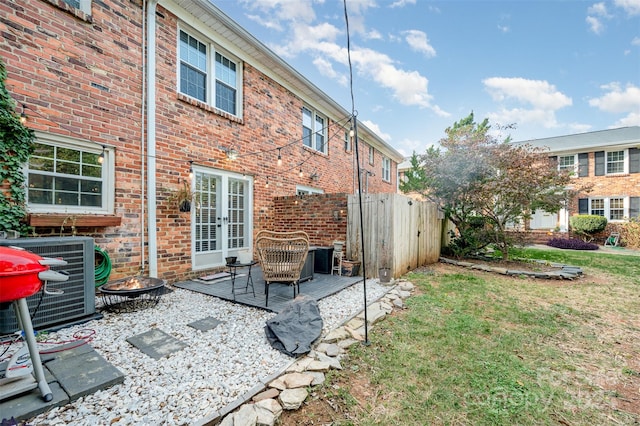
column 587, row 225
column 630, row 233
column 571, row 243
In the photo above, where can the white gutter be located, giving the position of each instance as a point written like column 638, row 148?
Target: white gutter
column 151, row 137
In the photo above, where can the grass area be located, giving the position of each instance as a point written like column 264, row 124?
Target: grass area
column 483, row 349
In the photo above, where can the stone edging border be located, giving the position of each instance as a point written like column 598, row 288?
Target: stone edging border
column 564, row 272
column 287, row 390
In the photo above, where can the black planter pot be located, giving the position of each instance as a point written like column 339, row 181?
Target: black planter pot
column 184, row 206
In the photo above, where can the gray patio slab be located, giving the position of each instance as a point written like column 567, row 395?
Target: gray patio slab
column 280, row 294
column 205, row 324
column 84, row 374
column 156, row 343
column 72, row 371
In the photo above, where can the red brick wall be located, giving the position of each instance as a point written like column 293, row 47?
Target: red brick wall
column 322, row 216
column 82, row 76
column 606, row 186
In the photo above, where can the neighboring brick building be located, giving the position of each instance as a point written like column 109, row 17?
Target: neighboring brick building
column 609, row 160
column 122, row 124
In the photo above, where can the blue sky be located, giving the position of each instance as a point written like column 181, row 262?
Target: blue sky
column 550, row 67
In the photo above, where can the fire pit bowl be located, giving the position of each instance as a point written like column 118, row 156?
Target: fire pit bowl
column 129, row 294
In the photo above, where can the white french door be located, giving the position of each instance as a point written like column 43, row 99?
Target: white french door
column 221, row 218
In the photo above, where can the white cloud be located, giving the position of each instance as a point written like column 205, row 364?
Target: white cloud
column 594, row 24
column 419, row 42
column 326, row 68
column 267, row 23
column 632, row 7
column 504, row 28
column 529, row 101
column 619, row 100
column 599, row 9
column 635, row 41
column 376, row 129
column 402, row 3
column 325, row 40
column 595, row 14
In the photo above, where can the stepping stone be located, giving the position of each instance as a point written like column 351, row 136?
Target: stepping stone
column 156, row 343
column 205, row 324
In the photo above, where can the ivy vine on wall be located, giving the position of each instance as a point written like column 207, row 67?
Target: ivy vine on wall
column 16, row 145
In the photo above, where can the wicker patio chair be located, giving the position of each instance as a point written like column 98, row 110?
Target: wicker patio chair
column 282, row 259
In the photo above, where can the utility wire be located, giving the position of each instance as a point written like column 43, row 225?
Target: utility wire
column 355, row 136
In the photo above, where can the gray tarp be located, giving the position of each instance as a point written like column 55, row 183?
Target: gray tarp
column 294, row 329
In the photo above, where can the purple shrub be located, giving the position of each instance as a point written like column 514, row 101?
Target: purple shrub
column 571, row 243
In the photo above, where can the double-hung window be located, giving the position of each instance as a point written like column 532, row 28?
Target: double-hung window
column 208, row 75
column 386, row 169
column 371, row 154
column 613, row 208
column 567, row 162
column 347, row 140
column 68, row 176
column 615, row 162
column 314, row 130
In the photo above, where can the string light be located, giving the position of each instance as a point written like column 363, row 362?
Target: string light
column 266, row 185
column 23, row 115
column 231, row 153
column 190, row 169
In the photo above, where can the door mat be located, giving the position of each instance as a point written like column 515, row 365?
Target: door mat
column 205, row 324
column 156, row 343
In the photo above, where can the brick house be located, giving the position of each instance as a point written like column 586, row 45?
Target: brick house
column 609, row 160
column 127, row 110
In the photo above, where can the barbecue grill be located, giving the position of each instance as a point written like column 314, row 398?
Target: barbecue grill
column 22, row 274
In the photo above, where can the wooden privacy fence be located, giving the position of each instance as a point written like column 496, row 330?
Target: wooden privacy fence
column 399, row 233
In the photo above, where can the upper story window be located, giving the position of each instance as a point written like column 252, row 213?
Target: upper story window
column 567, row 162
column 371, row 154
column 203, row 68
column 615, row 162
column 347, row 140
column 386, row 169
column 313, row 130
column 69, row 176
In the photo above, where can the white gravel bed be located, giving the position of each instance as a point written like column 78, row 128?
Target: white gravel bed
column 215, row 368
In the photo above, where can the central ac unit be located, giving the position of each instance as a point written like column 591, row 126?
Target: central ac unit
column 77, row 304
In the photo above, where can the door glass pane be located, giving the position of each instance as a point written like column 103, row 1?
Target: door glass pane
column 206, row 215
column 237, row 202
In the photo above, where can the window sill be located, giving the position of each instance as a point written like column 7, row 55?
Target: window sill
column 77, row 220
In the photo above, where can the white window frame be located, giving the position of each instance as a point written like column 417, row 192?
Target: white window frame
column 307, row 190
column 210, row 73
column 574, row 164
column 625, row 162
column 386, row 169
column 607, row 207
column 107, row 179
column 315, row 131
column 372, row 155
column 347, row 140
column 83, row 5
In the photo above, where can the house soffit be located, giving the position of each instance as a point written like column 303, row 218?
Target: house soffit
column 621, row 138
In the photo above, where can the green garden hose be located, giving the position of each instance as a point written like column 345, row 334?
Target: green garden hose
column 103, row 266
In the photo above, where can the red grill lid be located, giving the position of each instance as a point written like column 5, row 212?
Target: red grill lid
column 15, row 261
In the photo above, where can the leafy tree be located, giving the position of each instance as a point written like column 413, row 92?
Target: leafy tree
column 16, row 145
column 415, row 178
column 474, row 174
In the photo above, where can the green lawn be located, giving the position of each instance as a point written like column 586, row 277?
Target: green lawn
column 483, row 349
